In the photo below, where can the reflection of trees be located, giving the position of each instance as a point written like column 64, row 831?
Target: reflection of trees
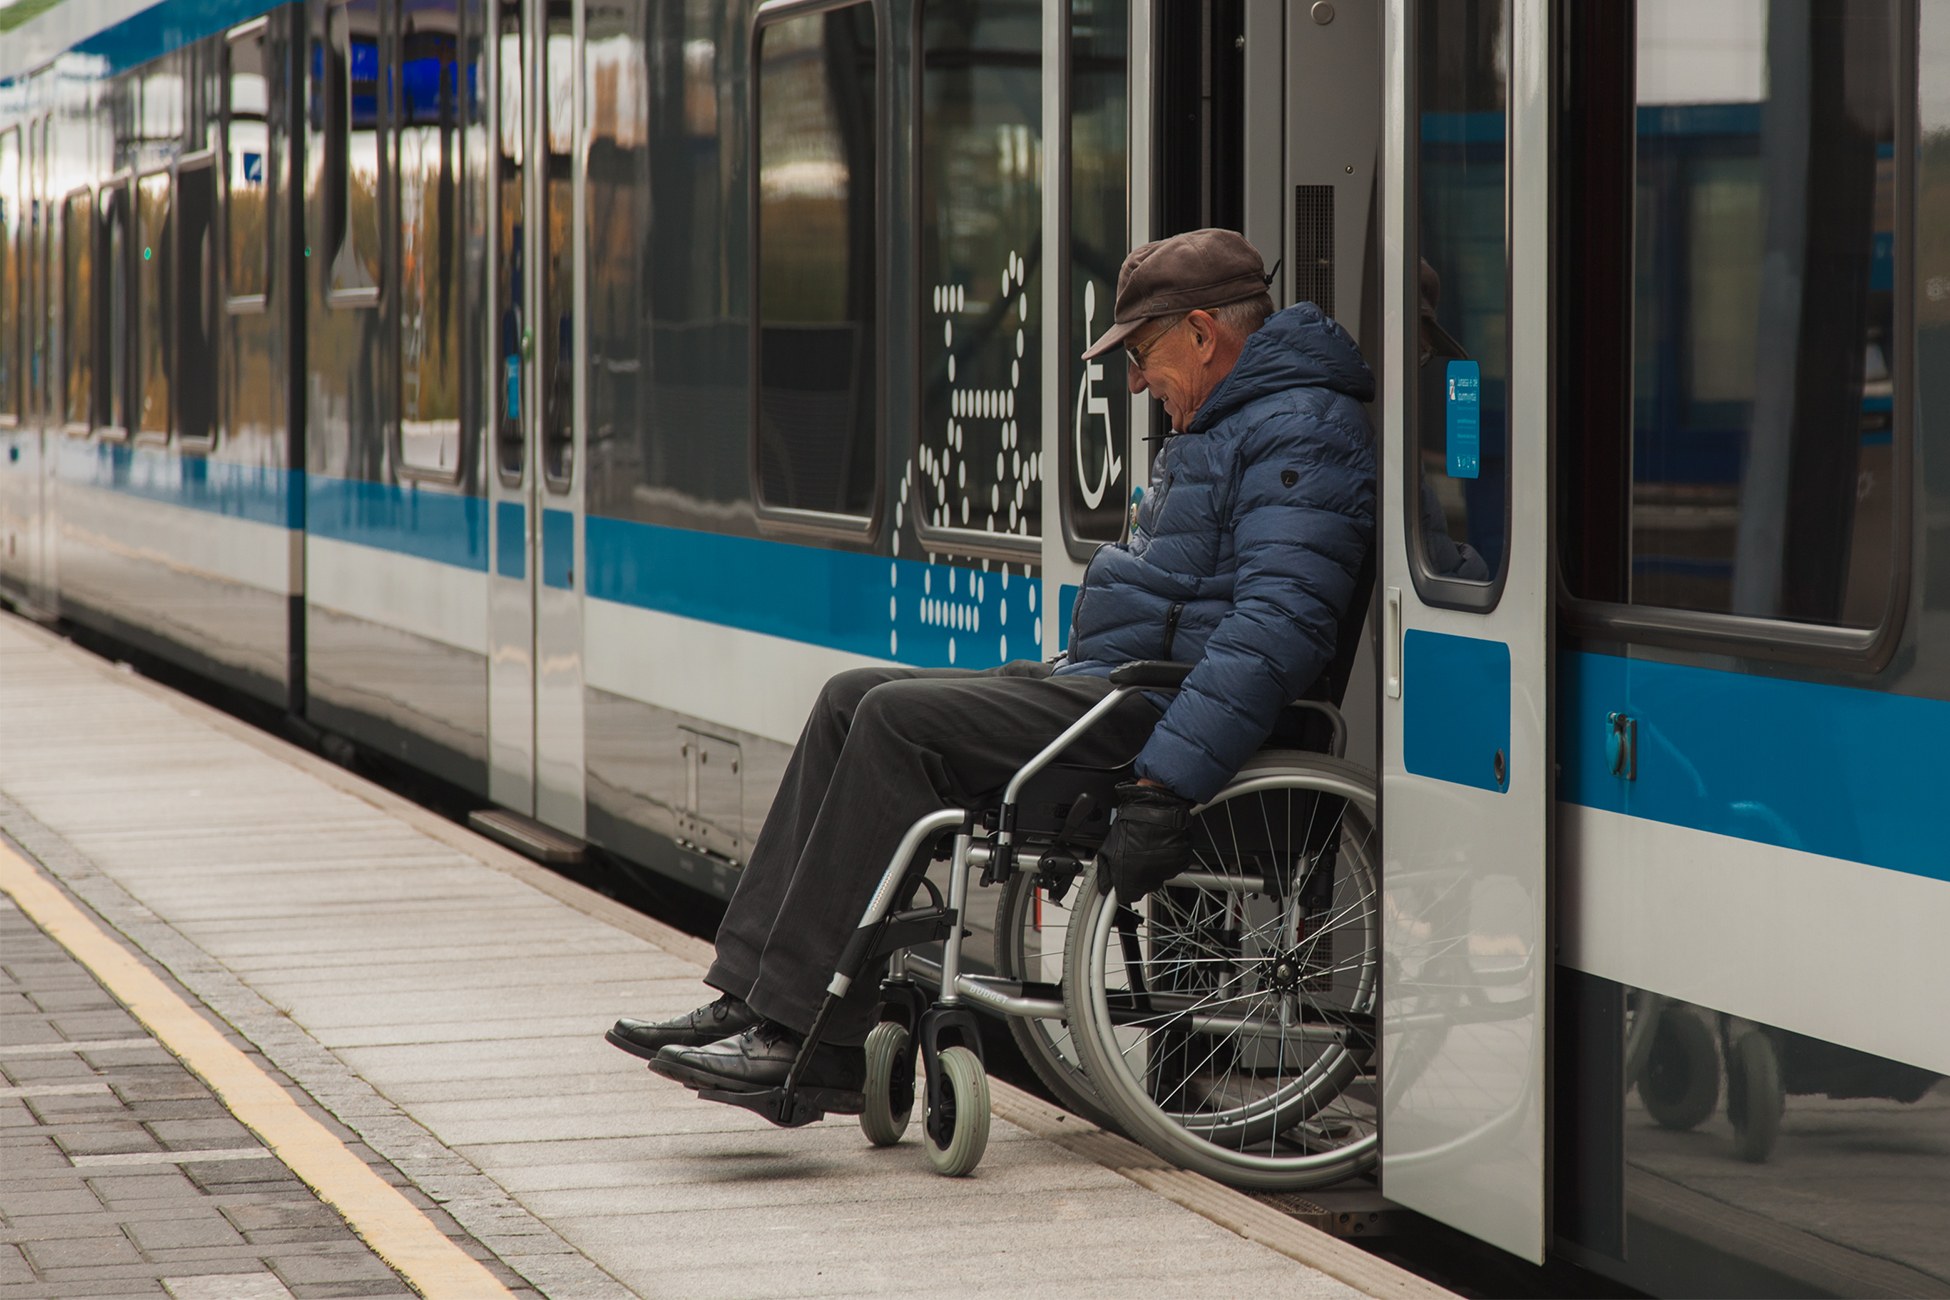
column 429, row 318
column 152, row 298
column 78, row 306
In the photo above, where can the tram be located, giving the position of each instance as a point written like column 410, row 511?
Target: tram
column 550, row 394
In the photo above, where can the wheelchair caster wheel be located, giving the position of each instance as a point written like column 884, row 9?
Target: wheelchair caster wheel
column 959, row 1134
column 1755, row 1098
column 889, row 1090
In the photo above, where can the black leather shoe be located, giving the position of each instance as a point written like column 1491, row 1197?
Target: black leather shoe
column 760, row 1058
column 710, row 1022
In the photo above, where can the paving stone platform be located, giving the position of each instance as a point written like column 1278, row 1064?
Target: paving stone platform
column 122, row 1175
column 440, row 1002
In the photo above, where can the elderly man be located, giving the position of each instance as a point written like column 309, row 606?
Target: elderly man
column 1241, row 559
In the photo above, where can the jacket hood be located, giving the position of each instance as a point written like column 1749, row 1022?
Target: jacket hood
column 1297, row 347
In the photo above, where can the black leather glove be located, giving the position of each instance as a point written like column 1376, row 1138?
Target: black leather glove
column 1150, row 841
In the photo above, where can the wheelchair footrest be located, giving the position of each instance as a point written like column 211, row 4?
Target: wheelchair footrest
column 803, row 1107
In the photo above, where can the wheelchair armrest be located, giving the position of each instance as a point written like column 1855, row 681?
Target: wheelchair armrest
column 1150, row 674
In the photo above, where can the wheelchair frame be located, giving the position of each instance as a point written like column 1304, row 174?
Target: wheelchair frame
column 936, row 1026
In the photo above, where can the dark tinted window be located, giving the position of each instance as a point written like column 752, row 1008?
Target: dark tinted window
column 979, row 463
column 818, row 260
column 1463, row 357
column 1096, row 469
column 192, row 349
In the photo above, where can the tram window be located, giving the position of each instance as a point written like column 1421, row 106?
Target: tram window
column 510, row 294
column 428, row 200
column 152, row 303
column 118, row 293
column 979, row 463
column 193, row 351
column 10, row 276
column 1755, row 459
column 1460, row 401
column 247, row 132
column 817, row 285
column 352, row 151
column 558, row 268
column 78, row 310
column 1095, row 466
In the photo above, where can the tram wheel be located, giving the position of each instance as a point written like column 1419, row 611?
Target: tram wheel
column 958, row 1134
column 1755, row 1097
column 889, row 1091
column 1680, row 1085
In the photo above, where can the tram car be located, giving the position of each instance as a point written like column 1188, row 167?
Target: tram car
column 549, row 396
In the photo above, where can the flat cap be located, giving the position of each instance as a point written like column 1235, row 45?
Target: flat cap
column 1201, row 268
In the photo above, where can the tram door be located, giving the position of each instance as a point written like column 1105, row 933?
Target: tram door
column 1466, row 740
column 535, row 672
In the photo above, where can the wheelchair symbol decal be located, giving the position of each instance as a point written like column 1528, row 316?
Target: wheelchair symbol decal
column 1093, row 420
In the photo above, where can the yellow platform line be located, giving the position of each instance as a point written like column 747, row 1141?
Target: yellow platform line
column 392, row 1225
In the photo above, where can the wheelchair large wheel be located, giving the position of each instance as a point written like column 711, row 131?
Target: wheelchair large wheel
column 1030, row 935
column 1228, row 1020
column 1679, row 1083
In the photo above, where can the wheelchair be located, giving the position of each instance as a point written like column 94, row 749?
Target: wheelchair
column 1227, row 1020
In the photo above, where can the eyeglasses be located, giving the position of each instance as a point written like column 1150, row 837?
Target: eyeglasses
column 1139, row 353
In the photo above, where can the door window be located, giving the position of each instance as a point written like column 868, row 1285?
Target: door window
column 1459, row 401
column 979, row 462
column 818, row 275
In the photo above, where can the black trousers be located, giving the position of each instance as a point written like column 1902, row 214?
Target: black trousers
column 883, row 748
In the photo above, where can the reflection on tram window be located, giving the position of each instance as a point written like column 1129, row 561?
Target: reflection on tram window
column 352, row 148
column 428, row 199
column 115, row 260
column 247, row 236
column 1461, row 400
column 78, row 309
column 979, row 463
column 10, row 313
column 191, row 349
column 817, row 261
column 1762, row 457
column 1096, row 468
column 152, row 350
column 1774, row 1148
column 558, row 273
column 666, row 307
column 510, row 293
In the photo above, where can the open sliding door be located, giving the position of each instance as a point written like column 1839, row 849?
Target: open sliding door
column 1466, row 690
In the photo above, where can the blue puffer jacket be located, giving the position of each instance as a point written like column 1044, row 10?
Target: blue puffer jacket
column 1244, row 552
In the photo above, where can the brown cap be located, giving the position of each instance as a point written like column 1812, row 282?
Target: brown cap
column 1201, row 268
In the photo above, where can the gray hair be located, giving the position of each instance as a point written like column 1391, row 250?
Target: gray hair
column 1244, row 316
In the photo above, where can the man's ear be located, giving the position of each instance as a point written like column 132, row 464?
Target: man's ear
column 1205, row 330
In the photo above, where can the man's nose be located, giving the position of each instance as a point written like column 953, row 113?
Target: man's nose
column 1134, row 379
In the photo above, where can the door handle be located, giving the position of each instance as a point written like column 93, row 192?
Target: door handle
column 1391, row 650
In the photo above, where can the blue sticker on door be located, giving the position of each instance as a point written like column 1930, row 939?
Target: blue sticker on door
column 1456, row 709
column 1464, row 411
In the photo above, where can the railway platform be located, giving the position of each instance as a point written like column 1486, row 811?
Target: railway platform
column 269, row 1030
